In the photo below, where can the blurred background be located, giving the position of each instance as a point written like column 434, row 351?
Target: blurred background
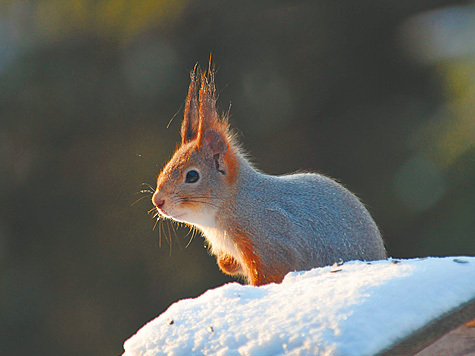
column 378, row 94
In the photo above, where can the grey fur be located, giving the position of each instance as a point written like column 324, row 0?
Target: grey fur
column 303, row 220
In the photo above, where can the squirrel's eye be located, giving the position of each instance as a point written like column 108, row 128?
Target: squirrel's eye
column 192, row 177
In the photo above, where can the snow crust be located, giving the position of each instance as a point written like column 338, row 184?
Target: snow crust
column 355, row 309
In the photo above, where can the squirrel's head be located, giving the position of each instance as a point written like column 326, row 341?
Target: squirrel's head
column 199, row 177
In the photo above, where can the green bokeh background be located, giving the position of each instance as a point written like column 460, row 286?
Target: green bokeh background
column 361, row 91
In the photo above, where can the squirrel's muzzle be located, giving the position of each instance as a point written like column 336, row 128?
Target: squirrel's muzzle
column 158, row 201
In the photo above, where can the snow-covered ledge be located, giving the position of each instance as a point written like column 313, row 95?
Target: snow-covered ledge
column 354, row 309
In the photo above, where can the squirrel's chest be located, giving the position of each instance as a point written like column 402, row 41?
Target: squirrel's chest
column 220, row 241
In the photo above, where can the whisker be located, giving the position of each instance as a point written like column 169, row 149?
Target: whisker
column 145, row 191
column 199, row 201
column 156, row 222
column 154, row 208
column 169, row 122
column 135, row 202
column 148, row 185
column 193, row 232
column 176, row 237
column 211, row 197
column 160, row 233
column 207, row 196
column 170, row 238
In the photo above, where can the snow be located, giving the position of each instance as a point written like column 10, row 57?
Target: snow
column 357, row 308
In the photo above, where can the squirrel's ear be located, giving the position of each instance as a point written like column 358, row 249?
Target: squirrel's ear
column 190, row 124
column 215, row 145
column 212, row 131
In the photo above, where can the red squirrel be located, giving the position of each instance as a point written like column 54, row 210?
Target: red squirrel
column 259, row 226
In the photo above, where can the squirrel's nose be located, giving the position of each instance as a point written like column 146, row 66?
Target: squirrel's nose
column 157, row 201
column 160, row 203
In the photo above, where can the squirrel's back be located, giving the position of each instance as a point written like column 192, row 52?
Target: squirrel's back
column 303, row 220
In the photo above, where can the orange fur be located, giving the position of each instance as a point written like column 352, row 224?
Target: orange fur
column 232, row 164
column 209, row 119
column 208, row 115
column 189, row 127
column 258, row 274
column 273, row 274
column 228, row 264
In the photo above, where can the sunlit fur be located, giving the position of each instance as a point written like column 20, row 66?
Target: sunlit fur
column 258, row 226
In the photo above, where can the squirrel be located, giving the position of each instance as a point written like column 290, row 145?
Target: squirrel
column 259, row 226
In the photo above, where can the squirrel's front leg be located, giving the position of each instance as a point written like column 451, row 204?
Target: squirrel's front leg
column 229, row 265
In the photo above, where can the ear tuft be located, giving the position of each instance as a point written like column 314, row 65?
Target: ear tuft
column 200, row 114
column 207, row 99
column 190, row 124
